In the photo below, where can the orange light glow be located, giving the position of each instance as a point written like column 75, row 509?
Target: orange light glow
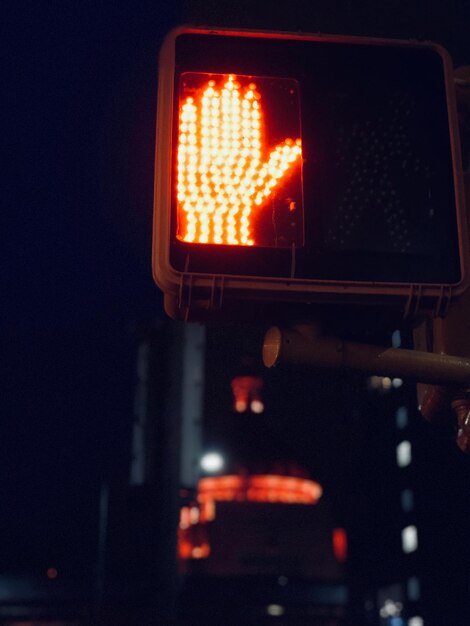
column 259, row 488
column 193, row 542
column 225, row 171
column 193, row 539
column 201, row 552
column 247, row 393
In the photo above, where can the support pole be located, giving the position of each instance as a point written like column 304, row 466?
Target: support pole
column 304, row 345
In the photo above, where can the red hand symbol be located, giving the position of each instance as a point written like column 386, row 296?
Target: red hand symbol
column 222, row 179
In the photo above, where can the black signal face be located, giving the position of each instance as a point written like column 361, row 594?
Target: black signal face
column 367, row 189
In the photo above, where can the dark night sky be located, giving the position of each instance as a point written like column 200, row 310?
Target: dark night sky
column 77, row 207
column 79, row 150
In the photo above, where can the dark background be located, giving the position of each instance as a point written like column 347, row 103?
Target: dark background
column 79, row 155
column 78, row 144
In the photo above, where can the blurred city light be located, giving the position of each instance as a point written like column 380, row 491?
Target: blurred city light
column 247, row 394
column 212, row 462
column 275, row 610
column 403, row 454
column 409, row 539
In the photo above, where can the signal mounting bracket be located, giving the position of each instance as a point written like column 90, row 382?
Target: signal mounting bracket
column 413, row 302
column 443, row 302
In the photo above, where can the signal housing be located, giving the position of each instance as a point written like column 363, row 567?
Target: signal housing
column 380, row 209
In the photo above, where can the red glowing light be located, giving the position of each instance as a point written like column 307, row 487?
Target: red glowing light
column 226, row 171
column 192, row 538
column 52, row 573
column 247, row 393
column 340, row 544
column 259, row 488
column 193, row 542
column 201, row 552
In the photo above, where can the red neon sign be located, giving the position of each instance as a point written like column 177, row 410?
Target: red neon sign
column 259, row 488
column 193, row 540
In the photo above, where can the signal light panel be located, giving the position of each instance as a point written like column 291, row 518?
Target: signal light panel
column 234, row 187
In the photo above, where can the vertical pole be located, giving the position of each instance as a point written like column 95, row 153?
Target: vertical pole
column 192, row 399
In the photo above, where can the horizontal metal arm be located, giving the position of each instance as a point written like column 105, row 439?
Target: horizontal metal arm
column 305, row 346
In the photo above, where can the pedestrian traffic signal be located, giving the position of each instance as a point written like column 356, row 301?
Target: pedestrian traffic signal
column 306, row 168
